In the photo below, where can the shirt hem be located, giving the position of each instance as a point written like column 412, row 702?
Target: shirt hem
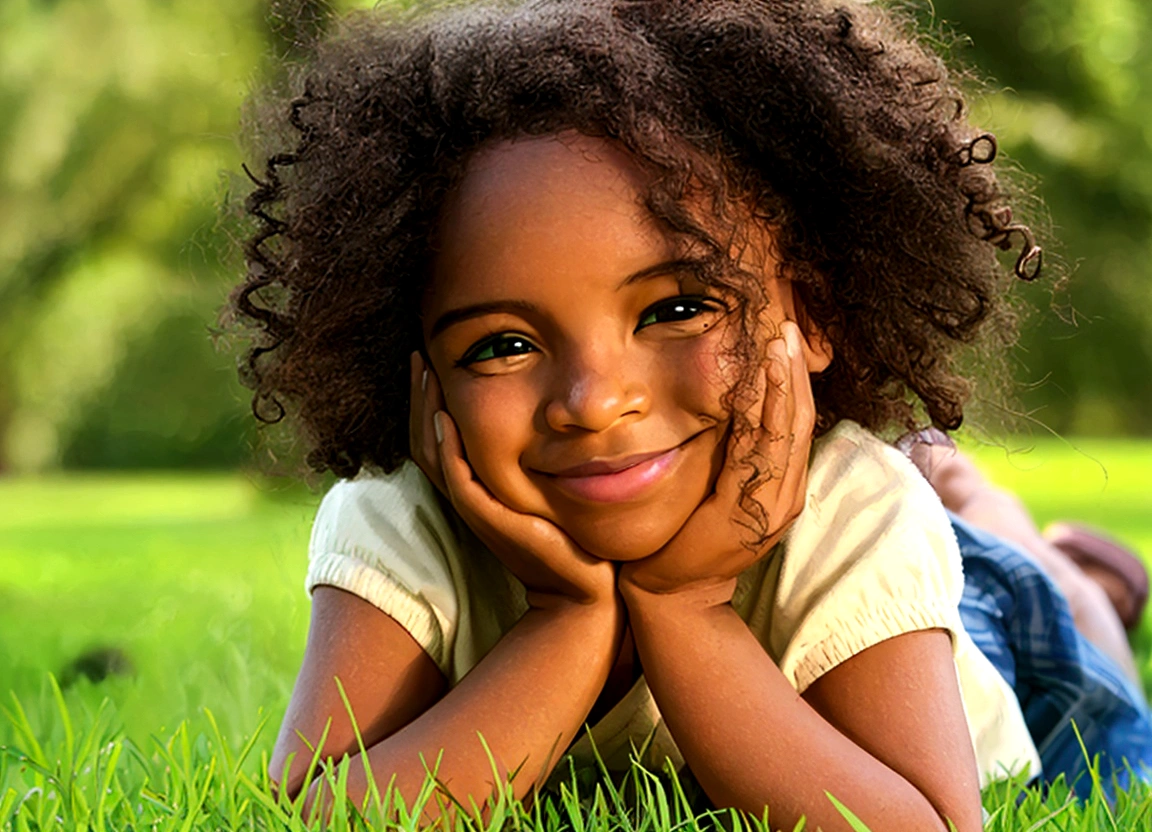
column 381, row 589
column 847, row 639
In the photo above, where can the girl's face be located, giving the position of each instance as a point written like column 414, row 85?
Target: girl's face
column 581, row 361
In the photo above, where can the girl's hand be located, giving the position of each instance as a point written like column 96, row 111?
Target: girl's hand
column 545, row 559
column 721, row 539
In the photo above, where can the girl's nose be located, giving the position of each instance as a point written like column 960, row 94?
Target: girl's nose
column 594, row 397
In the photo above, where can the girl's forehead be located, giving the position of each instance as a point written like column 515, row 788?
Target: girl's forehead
column 532, row 172
column 563, row 204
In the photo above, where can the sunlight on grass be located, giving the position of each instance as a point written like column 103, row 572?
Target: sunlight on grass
column 1100, row 482
column 73, row 771
column 198, row 580
column 101, row 499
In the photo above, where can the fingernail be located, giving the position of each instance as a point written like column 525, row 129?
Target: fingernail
column 438, row 426
column 791, row 339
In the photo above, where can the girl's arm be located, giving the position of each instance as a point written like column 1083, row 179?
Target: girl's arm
column 527, row 698
column 884, row 732
column 388, row 678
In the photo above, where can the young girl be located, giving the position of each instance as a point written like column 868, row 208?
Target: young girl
column 596, row 307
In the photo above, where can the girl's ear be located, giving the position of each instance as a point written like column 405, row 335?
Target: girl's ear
column 783, row 297
column 817, row 347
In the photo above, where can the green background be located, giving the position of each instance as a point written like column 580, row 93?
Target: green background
column 131, row 516
column 120, row 177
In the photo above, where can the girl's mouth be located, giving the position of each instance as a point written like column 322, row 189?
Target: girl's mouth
column 620, row 485
column 619, row 480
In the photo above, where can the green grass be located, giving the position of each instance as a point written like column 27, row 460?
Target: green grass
column 198, row 581
column 1107, row 483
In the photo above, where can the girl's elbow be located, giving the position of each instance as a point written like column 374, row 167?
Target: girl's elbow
column 284, row 775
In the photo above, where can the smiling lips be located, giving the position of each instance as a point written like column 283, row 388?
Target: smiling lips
column 617, row 480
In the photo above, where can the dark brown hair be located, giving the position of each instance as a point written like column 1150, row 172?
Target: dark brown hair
column 833, row 123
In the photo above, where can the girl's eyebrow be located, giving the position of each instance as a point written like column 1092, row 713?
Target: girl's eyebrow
column 455, row 316
column 661, row 269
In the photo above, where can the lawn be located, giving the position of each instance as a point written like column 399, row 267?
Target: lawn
column 197, row 579
column 192, row 585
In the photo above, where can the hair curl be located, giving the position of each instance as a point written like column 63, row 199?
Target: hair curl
column 834, row 124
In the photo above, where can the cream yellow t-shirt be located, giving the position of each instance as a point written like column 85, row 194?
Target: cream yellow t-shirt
column 871, row 556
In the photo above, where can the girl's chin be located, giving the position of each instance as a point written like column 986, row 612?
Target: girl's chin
column 620, row 545
column 618, row 533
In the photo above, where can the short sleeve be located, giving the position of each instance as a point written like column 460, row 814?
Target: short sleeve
column 871, row 557
column 386, row 540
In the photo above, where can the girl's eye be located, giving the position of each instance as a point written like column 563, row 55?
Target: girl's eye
column 702, row 311
column 503, row 345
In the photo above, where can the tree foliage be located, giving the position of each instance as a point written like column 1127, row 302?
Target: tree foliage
column 1071, row 100
column 118, row 155
column 118, row 149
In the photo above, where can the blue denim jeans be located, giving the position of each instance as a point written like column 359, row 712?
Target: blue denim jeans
column 1022, row 623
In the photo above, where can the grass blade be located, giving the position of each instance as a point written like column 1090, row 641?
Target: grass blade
column 853, row 821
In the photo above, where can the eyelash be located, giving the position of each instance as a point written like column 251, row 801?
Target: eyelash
column 694, row 305
column 686, row 306
column 474, row 353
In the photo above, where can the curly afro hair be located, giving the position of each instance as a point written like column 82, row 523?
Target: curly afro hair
column 838, row 128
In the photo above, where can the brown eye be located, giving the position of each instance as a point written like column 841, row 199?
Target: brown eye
column 678, row 309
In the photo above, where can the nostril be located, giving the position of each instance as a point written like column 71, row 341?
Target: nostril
column 594, row 404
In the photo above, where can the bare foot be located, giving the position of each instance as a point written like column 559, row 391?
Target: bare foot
column 1117, row 570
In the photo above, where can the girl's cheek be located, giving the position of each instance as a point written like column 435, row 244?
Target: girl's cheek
column 715, row 371
column 494, row 416
column 483, row 410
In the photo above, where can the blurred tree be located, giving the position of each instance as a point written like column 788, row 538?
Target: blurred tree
column 117, row 147
column 1074, row 107
column 120, row 118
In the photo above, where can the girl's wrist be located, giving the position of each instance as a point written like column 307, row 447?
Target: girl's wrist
column 594, row 589
column 605, row 616
column 596, row 604
column 637, row 592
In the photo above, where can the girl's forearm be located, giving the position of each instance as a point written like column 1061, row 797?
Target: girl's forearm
column 527, row 699
column 747, row 735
